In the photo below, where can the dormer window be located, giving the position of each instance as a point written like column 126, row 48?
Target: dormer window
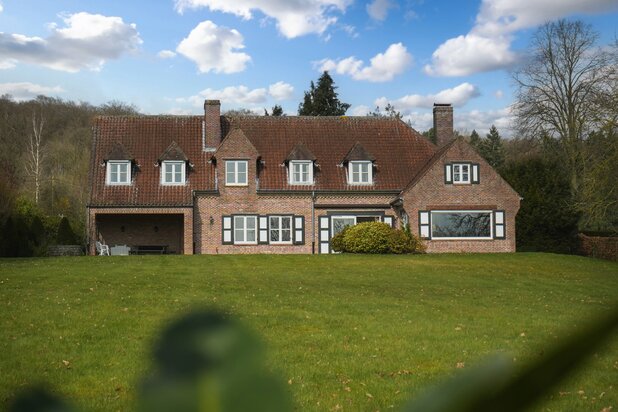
column 301, row 172
column 461, row 173
column 236, row 172
column 118, row 172
column 173, row 173
column 360, row 172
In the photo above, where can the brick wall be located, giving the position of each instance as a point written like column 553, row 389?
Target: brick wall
column 491, row 193
column 443, row 123
column 175, row 227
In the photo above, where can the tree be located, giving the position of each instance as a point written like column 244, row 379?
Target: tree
column 430, row 135
column 239, row 112
column 475, row 139
column 389, row 111
column 275, row 111
column 322, row 100
column 557, row 89
column 491, row 148
column 34, row 165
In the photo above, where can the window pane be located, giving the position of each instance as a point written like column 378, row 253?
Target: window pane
column 339, row 223
column 250, row 235
column 274, row 235
column 239, row 222
column 286, row 235
column 239, row 235
column 286, row 222
column 251, row 222
column 274, row 222
column 461, row 224
column 242, row 167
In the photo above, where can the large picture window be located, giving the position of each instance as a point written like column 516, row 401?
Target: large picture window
column 245, row 232
column 236, row 173
column 118, row 172
column 280, row 229
column 461, row 225
column 173, row 173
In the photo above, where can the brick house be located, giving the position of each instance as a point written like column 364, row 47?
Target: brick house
column 260, row 184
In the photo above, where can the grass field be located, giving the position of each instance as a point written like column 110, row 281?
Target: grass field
column 350, row 332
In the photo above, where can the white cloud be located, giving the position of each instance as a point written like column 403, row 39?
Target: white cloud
column 498, row 17
column 499, row 94
column 281, row 91
column 481, row 121
column 166, row 54
column 470, row 54
column 457, row 96
column 27, row 90
column 383, row 66
column 214, row 48
column 487, row 46
column 294, row 17
column 86, row 41
column 378, row 9
column 239, row 96
column 1, row 8
column 360, row 110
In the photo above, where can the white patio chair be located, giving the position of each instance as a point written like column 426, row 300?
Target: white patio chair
column 102, row 250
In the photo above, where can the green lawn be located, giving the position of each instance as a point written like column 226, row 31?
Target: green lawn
column 361, row 332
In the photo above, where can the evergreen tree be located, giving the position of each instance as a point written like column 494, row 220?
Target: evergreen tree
column 322, row 100
column 430, row 135
column 475, row 139
column 276, row 111
column 66, row 236
column 491, row 148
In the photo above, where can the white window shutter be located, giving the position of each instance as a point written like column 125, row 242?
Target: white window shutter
column 299, row 230
column 476, row 177
column 226, row 230
column 388, row 220
column 424, row 224
column 324, row 235
column 448, row 173
column 499, row 225
column 263, row 228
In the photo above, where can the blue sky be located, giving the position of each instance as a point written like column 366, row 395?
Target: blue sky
column 167, row 56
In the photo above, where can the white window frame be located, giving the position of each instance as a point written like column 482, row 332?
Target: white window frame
column 173, row 163
column 360, row 164
column 491, row 224
column 460, row 173
column 355, row 217
column 245, row 230
column 281, row 230
column 108, row 173
column 235, row 182
column 301, row 164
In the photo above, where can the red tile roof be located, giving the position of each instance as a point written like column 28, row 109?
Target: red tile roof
column 399, row 152
column 147, row 138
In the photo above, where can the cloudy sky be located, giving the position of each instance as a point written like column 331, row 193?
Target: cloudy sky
column 167, row 56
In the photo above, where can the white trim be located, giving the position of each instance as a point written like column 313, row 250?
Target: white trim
column 332, row 219
column 491, row 225
column 360, row 172
column 255, row 229
column 475, row 173
column 280, row 230
column 108, row 172
column 183, row 169
column 461, row 181
column 236, row 174
column 291, row 171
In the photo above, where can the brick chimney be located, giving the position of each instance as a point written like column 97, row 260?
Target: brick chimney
column 443, row 123
column 211, row 136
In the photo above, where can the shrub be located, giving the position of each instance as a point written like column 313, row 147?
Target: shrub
column 66, row 236
column 336, row 242
column 368, row 237
column 376, row 237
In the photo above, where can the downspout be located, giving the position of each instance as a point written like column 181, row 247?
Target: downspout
column 313, row 222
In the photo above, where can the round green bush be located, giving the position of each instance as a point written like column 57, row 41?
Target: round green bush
column 368, row 237
column 376, row 237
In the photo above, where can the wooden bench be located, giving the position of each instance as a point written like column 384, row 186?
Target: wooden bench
column 149, row 250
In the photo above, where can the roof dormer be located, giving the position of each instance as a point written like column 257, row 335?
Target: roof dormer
column 300, row 162
column 359, row 163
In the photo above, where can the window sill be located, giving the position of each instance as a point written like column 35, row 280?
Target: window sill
column 236, row 184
